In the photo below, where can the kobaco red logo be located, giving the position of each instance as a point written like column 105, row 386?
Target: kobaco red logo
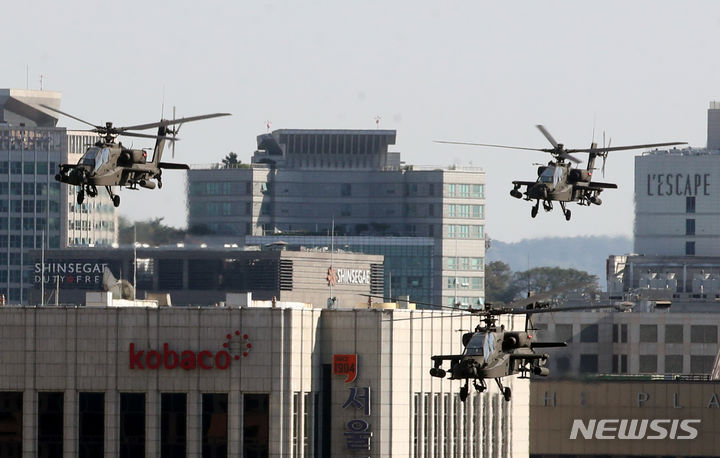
column 237, row 345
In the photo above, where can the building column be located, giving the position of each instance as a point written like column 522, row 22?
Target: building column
column 194, row 423
column 70, row 426
column 152, row 423
column 112, row 425
column 29, row 422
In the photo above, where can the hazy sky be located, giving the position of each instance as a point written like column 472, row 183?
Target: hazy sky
column 642, row 71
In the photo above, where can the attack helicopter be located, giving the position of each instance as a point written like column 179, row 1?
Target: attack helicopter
column 558, row 181
column 108, row 164
column 492, row 352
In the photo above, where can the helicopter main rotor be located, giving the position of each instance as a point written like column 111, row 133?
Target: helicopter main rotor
column 560, row 153
column 110, row 132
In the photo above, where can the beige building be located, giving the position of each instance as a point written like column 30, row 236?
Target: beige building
column 630, row 417
column 254, row 381
column 658, row 342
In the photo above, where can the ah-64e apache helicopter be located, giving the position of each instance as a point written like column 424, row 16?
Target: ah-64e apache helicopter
column 558, row 180
column 111, row 164
column 491, row 352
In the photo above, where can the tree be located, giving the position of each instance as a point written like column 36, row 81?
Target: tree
column 231, row 160
column 541, row 279
column 504, row 285
column 499, row 285
column 150, row 231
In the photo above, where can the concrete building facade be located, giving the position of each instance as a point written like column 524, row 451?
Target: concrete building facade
column 624, row 417
column 346, row 182
column 249, row 381
column 651, row 342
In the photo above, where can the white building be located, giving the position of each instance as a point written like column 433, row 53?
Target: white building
column 677, row 198
column 256, row 381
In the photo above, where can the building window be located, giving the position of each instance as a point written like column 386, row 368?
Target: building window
column 702, row 333
column 564, row 332
column 588, row 364
column 11, row 409
column 701, row 364
column 345, row 189
column 648, row 364
column 132, row 425
column 214, row 424
column 256, row 423
column 91, row 437
column 589, row 333
column 689, row 227
column 50, row 424
column 623, row 333
column 690, row 204
column 690, row 248
column 673, row 333
column 673, row 364
column 451, row 211
column 477, row 190
column 648, row 333
column 173, row 425
column 451, row 190
column 464, row 190
column 477, row 211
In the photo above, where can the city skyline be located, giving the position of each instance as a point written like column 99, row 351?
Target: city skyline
column 483, row 72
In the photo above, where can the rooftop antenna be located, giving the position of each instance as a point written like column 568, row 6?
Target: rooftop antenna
column 162, row 104
column 27, row 76
column 377, row 121
column 267, row 124
column 41, row 81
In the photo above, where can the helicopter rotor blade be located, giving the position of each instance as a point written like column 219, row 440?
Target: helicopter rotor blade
column 554, row 310
column 626, row 147
column 493, row 146
column 436, row 306
column 569, row 157
column 135, row 134
column 167, row 122
column 71, row 116
column 547, row 135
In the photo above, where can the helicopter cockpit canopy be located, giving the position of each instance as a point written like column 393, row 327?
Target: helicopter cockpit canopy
column 551, row 174
column 480, row 344
column 95, row 157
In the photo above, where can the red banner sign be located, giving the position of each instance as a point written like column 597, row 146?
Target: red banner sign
column 345, row 365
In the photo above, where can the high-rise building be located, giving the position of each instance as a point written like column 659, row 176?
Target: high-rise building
column 95, row 221
column 343, row 189
column 677, row 198
column 33, row 206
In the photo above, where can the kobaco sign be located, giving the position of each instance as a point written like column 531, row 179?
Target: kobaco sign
column 236, row 346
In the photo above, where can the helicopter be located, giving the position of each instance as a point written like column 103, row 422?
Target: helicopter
column 558, row 181
column 490, row 351
column 108, row 164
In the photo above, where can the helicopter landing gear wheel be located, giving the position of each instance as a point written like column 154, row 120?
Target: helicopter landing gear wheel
column 159, row 183
column 80, row 197
column 547, row 206
column 464, row 391
column 114, row 197
column 479, row 387
column 505, row 390
column 566, row 211
column 507, row 394
column 534, row 210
